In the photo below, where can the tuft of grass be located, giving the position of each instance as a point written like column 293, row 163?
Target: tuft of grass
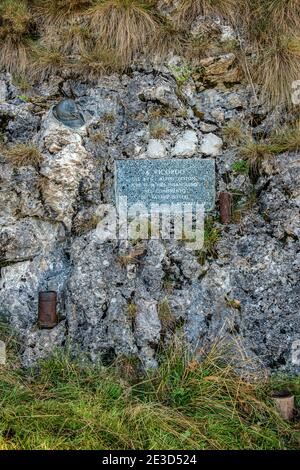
column 47, row 61
column 189, row 10
column 15, row 25
column 211, row 237
column 233, row 132
column 81, row 227
column 23, row 155
column 165, row 315
column 158, row 128
column 132, row 311
column 277, row 68
column 257, row 153
column 124, row 26
column 57, row 12
column 242, row 205
column 96, row 61
column 132, row 257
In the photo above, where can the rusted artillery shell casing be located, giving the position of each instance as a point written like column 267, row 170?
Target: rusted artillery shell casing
column 47, row 316
column 225, row 201
column 285, row 404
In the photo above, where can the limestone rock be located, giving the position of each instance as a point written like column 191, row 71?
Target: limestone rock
column 211, row 145
column 186, row 145
column 156, row 149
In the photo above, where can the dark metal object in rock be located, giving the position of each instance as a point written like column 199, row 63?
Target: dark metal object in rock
column 47, row 316
column 225, row 201
column 285, row 404
column 68, row 114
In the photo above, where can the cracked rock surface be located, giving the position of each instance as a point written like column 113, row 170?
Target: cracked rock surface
column 110, row 294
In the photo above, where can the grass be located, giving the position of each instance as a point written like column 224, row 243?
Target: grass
column 211, row 237
column 233, row 132
column 132, row 257
column 92, row 37
column 124, row 26
column 259, row 153
column 59, row 11
column 189, row 10
column 181, row 405
column 23, row 155
column 80, row 227
column 15, row 24
column 165, row 315
column 158, row 128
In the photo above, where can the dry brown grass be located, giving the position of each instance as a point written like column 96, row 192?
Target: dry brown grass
column 132, row 257
column 23, row 155
column 124, row 26
column 15, row 21
column 47, row 61
column 278, row 67
column 97, row 61
column 233, row 132
column 189, row 10
column 57, row 12
column 165, row 315
column 80, row 227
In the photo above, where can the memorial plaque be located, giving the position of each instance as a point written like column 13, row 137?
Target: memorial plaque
column 175, row 181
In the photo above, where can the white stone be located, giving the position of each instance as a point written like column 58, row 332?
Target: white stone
column 2, row 353
column 186, row 145
column 211, row 145
column 206, row 128
column 3, row 90
column 156, row 149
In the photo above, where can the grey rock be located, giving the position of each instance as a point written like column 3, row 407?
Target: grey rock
column 248, row 294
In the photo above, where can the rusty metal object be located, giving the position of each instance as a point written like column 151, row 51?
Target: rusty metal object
column 47, row 316
column 225, row 201
column 285, row 404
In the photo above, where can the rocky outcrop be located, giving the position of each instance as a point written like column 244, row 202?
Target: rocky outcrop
column 248, row 289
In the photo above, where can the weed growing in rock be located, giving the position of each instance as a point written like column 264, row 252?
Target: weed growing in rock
column 23, row 155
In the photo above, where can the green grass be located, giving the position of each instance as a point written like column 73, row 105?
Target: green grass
column 211, row 237
column 181, row 405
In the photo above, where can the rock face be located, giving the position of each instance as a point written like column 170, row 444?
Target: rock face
column 111, row 295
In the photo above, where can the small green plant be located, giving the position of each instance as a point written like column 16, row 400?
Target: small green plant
column 211, row 237
column 241, row 167
column 132, row 311
column 24, row 98
column 181, row 74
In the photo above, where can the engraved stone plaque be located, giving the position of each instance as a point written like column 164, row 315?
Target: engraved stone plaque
column 174, row 181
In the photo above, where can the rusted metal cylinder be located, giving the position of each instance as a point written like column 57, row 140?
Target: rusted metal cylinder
column 285, row 404
column 225, row 201
column 47, row 316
